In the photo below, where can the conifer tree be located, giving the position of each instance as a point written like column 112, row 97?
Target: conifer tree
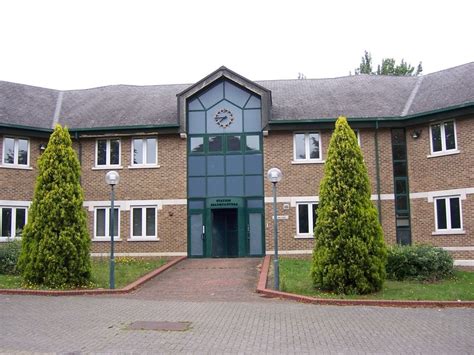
column 55, row 241
column 350, row 253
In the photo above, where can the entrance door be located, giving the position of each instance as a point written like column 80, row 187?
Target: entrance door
column 225, row 235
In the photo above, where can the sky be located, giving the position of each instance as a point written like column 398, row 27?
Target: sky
column 68, row 44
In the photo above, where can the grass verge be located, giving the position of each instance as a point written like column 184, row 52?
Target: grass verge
column 127, row 270
column 295, row 278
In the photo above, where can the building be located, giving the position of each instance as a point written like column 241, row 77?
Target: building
column 193, row 158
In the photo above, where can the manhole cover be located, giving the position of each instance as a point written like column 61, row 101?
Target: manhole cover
column 163, row 326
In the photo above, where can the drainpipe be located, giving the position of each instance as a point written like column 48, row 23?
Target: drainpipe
column 377, row 170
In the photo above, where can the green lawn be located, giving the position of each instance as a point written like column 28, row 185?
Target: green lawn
column 127, row 270
column 295, row 278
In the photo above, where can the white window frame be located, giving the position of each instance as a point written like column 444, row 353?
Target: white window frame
column 310, row 233
column 448, row 229
column 306, row 160
column 107, row 154
column 144, row 152
column 15, row 154
column 443, row 150
column 107, row 223
column 13, row 208
column 143, row 237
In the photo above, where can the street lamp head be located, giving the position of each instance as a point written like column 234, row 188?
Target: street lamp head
column 112, row 178
column 274, row 175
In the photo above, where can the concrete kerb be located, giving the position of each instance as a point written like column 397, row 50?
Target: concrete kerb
column 262, row 284
column 134, row 285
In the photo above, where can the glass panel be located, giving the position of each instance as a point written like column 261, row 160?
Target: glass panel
column 114, row 152
column 455, row 210
column 314, row 146
column 196, row 122
column 196, row 234
column 255, row 230
column 400, row 169
column 100, row 222
column 252, row 121
column 197, row 166
column 449, row 134
column 441, row 213
column 101, row 152
column 303, row 224
column 234, row 164
column 399, row 152
column 150, row 222
column 137, row 222
column 9, row 152
column 403, row 222
column 254, row 102
column 299, row 146
column 233, row 143
column 436, row 137
column 151, row 151
column 253, row 164
column 116, row 222
column 400, row 187
column 215, row 144
column 196, row 204
column 253, row 186
column 212, row 96
column 315, row 215
column 215, row 165
column 236, row 94
column 197, row 187
column 20, row 220
column 215, row 186
column 255, row 204
column 195, row 105
column 138, row 151
column 196, row 144
column 6, row 222
column 253, row 143
column 398, row 136
column 235, row 185
column 401, row 203
column 22, row 151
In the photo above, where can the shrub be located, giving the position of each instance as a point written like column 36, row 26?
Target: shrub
column 9, row 253
column 349, row 254
column 419, row 262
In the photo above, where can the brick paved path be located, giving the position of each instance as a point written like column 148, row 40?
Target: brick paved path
column 98, row 324
column 205, row 280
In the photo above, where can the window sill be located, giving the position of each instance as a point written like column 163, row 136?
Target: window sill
column 107, row 167
column 449, row 232
column 143, row 166
column 143, row 239
column 442, row 154
column 8, row 239
column 301, row 236
column 13, row 166
column 107, row 239
column 315, row 161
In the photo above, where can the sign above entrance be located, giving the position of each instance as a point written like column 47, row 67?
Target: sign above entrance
column 224, row 203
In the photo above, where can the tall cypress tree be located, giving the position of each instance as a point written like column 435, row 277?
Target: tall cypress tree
column 350, row 253
column 55, row 241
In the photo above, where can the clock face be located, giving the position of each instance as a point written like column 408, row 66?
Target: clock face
column 224, row 117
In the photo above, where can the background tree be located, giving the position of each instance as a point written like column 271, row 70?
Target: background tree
column 350, row 253
column 55, row 241
column 387, row 67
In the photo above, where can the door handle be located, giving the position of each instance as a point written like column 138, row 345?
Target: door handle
column 203, row 234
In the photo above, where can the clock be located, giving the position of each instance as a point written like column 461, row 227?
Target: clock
column 224, row 118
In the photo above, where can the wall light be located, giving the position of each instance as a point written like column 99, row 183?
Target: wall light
column 416, row 133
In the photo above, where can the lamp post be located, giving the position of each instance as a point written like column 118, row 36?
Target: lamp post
column 112, row 178
column 274, row 176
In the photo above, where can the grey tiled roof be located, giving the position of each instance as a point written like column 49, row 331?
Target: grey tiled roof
column 362, row 96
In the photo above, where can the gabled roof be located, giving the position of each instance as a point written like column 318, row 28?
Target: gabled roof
column 118, row 106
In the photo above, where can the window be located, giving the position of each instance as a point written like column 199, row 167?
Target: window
column 102, row 222
column 443, row 137
column 144, row 151
column 107, row 152
column 144, row 222
column 448, row 214
column 16, row 151
column 12, row 221
column 306, row 215
column 307, row 146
